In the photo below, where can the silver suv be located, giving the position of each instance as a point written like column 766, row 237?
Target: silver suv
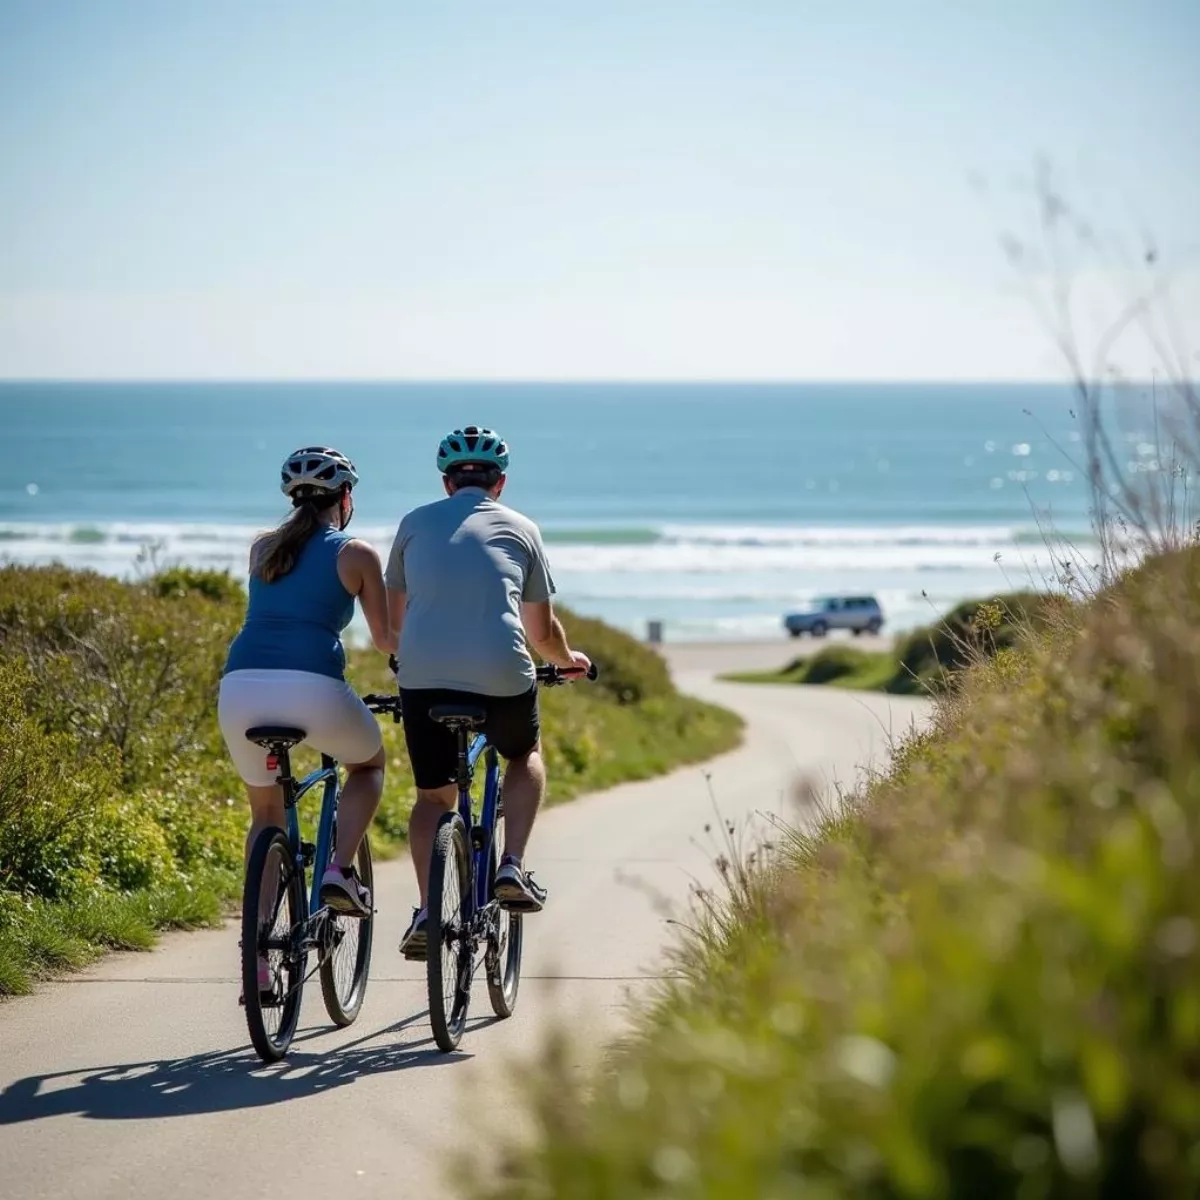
column 857, row 613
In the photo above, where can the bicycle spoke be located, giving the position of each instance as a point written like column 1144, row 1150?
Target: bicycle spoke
column 277, row 942
column 451, row 934
column 345, row 943
column 344, row 953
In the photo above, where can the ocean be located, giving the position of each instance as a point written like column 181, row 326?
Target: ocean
column 713, row 508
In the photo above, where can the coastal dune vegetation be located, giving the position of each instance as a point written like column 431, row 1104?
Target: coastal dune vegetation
column 979, row 976
column 119, row 812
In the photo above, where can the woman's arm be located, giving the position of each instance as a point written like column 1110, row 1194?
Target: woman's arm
column 361, row 574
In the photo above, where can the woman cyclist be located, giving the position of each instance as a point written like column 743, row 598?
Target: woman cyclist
column 287, row 666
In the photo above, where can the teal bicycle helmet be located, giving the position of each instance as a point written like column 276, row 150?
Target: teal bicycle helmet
column 474, row 447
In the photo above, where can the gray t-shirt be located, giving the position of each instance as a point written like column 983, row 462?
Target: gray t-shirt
column 466, row 563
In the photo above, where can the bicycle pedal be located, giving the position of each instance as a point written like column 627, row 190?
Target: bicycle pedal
column 308, row 852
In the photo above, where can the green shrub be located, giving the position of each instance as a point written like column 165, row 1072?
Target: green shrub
column 65, row 828
column 219, row 586
column 927, row 657
column 117, row 664
column 829, row 663
column 982, row 980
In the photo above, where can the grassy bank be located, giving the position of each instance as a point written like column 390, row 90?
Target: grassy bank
column 981, row 979
column 925, row 661
column 119, row 811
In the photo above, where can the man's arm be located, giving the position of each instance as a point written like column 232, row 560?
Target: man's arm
column 542, row 627
column 548, row 638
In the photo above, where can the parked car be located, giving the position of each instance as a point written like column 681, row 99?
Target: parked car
column 857, row 613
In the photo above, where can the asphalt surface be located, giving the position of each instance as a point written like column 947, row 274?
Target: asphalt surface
column 135, row 1078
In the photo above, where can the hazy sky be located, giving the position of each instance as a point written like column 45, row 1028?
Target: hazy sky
column 551, row 189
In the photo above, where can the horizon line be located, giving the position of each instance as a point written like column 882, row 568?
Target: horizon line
column 576, row 381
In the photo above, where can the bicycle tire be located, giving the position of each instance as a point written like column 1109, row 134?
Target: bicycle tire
column 343, row 993
column 505, row 938
column 273, row 1025
column 450, row 954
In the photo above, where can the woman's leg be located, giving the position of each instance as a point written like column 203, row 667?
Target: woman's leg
column 357, row 806
column 266, row 811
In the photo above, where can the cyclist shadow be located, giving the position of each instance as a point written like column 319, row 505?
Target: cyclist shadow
column 217, row 1081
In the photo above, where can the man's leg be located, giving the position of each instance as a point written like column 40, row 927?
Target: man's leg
column 524, row 789
column 514, row 728
column 433, row 752
column 431, row 804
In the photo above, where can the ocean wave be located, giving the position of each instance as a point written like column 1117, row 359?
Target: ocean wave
column 596, row 561
column 197, row 533
column 616, row 536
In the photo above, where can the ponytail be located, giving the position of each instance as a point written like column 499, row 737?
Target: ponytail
column 278, row 551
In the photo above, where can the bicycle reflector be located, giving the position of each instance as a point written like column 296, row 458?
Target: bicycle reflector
column 272, row 762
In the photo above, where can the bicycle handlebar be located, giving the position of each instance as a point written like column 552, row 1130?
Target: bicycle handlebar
column 551, row 676
column 547, row 676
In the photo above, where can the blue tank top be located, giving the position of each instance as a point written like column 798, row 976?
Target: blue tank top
column 295, row 623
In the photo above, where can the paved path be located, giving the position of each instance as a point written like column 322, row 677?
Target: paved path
column 133, row 1079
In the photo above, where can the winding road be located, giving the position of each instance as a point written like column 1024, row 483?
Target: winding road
column 134, row 1078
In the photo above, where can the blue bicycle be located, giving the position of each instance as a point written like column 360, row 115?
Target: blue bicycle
column 283, row 921
column 463, row 914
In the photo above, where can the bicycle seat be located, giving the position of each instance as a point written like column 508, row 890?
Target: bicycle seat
column 271, row 736
column 469, row 715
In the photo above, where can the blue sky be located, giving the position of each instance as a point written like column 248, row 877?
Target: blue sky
column 765, row 189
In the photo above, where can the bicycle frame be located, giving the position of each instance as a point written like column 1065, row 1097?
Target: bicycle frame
column 325, row 774
column 481, row 834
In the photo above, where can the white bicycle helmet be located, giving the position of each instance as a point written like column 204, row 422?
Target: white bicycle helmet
column 315, row 471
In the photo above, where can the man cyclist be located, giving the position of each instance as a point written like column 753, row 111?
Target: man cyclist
column 468, row 584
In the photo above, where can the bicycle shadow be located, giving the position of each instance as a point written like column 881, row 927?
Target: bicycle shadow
column 218, row 1081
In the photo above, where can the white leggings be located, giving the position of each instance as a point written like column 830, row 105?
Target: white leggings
column 334, row 719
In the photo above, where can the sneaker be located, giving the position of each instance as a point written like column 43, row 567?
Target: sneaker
column 413, row 943
column 515, row 889
column 342, row 892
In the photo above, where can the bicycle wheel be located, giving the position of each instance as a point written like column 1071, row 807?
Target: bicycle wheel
column 450, row 955
column 273, row 910
column 503, row 961
column 345, row 965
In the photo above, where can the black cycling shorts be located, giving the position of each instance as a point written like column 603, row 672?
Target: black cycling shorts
column 513, row 726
